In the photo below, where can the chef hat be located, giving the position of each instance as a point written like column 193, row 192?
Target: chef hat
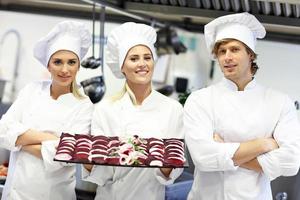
column 67, row 35
column 123, row 38
column 242, row 26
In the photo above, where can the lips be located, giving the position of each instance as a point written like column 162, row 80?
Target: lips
column 229, row 66
column 142, row 71
column 64, row 78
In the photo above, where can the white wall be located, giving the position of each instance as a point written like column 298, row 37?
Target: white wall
column 278, row 62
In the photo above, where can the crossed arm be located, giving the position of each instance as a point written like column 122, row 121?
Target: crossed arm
column 246, row 155
column 31, row 141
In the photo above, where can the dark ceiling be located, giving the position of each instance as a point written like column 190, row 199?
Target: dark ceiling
column 280, row 17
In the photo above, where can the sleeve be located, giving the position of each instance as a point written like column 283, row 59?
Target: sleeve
column 206, row 154
column 99, row 175
column 284, row 161
column 11, row 125
column 175, row 130
column 79, row 123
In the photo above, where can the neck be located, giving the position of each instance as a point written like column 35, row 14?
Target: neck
column 56, row 90
column 241, row 84
column 140, row 92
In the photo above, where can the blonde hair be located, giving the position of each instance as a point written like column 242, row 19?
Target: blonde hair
column 121, row 93
column 254, row 66
column 75, row 90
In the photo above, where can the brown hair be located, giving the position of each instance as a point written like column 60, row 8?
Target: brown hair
column 254, row 66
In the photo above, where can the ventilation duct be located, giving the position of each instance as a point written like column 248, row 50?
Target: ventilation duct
column 206, row 4
column 194, row 3
column 236, row 6
column 276, row 8
column 296, row 10
column 225, row 5
column 265, row 7
column 245, row 5
column 216, row 4
column 287, row 10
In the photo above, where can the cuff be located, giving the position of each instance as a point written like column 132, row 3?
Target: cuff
column 48, row 151
column 225, row 161
column 13, row 135
column 99, row 175
column 175, row 173
column 271, row 171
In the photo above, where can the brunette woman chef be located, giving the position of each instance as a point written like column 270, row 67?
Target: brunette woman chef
column 139, row 109
column 41, row 112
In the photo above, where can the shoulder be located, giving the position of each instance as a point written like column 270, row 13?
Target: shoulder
column 201, row 95
column 35, row 86
column 276, row 95
column 104, row 104
column 166, row 101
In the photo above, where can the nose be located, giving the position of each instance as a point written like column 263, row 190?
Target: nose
column 65, row 68
column 142, row 63
column 228, row 56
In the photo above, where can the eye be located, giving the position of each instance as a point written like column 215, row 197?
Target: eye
column 133, row 59
column 148, row 58
column 221, row 52
column 57, row 62
column 72, row 62
column 235, row 49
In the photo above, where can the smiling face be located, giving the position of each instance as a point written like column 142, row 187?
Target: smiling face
column 235, row 61
column 63, row 66
column 138, row 66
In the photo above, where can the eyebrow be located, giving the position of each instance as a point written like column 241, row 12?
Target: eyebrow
column 62, row 59
column 137, row 55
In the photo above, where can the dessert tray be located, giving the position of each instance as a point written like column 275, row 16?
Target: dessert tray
column 121, row 151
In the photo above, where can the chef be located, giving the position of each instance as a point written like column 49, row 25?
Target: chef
column 42, row 111
column 137, row 109
column 241, row 135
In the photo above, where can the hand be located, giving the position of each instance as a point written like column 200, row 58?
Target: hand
column 88, row 167
column 218, row 138
column 270, row 144
column 166, row 171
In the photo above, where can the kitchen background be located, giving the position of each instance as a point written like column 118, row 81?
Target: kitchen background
column 278, row 61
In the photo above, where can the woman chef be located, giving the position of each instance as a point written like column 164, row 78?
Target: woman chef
column 42, row 111
column 140, row 110
column 240, row 134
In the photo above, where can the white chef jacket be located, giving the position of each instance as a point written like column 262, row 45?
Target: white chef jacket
column 31, row 178
column 159, row 117
column 239, row 116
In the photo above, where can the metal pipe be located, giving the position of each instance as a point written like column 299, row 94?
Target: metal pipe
column 122, row 12
column 17, row 59
column 102, row 38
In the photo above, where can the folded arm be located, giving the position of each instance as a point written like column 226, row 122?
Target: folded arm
column 31, row 137
column 284, row 161
column 246, row 154
column 33, row 149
